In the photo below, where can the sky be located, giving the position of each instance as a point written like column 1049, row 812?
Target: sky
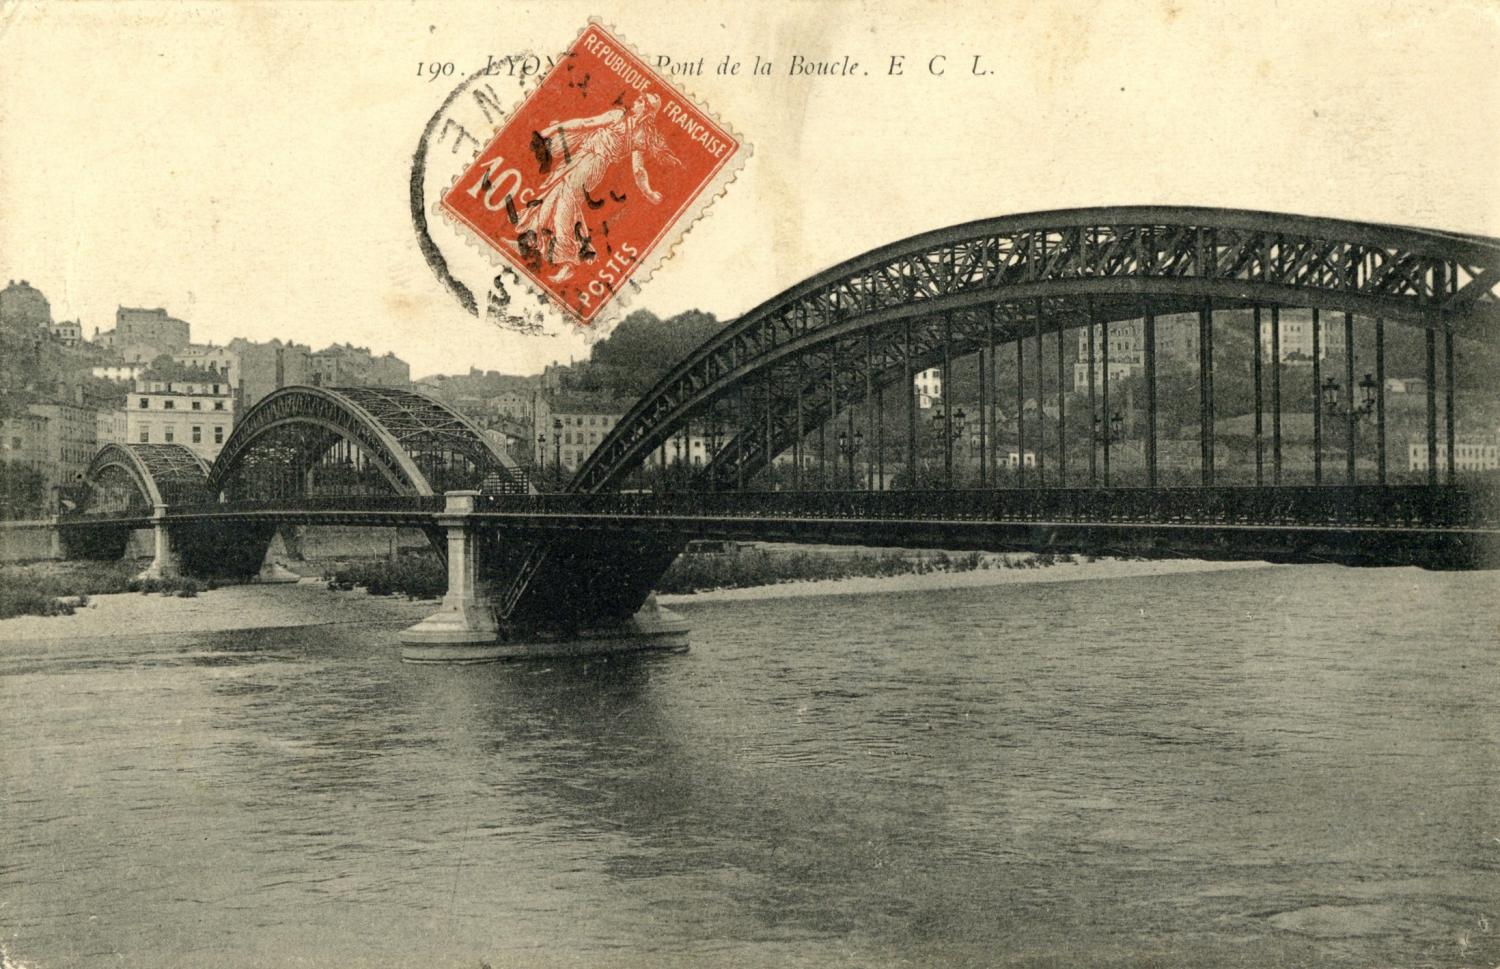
column 246, row 165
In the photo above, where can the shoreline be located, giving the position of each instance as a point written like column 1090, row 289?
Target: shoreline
column 971, row 579
column 130, row 615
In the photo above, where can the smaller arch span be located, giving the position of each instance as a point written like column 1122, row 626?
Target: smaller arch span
column 161, row 474
column 408, row 438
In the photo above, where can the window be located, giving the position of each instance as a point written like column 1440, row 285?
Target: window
column 168, row 434
column 218, row 405
column 219, row 434
column 145, row 435
column 169, row 405
column 145, row 402
column 197, row 434
column 216, row 390
column 197, row 405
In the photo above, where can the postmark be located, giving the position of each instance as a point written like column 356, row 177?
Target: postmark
column 589, row 183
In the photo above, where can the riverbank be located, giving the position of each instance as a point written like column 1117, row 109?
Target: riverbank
column 312, row 603
column 307, row 603
column 1061, row 571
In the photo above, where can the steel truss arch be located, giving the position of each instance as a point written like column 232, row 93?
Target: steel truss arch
column 394, row 428
column 164, row 474
column 1069, row 267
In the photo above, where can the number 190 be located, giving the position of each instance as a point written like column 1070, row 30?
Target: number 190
column 433, row 70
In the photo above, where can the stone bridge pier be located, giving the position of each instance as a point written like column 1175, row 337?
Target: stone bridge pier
column 469, row 627
column 214, row 550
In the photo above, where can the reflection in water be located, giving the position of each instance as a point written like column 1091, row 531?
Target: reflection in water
column 1247, row 768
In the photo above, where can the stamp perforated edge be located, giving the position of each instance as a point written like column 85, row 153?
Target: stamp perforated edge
column 695, row 209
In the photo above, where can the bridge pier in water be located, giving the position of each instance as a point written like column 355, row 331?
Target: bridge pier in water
column 165, row 562
column 468, row 627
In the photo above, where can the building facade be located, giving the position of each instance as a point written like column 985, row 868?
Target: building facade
column 264, row 367
column 149, row 327
column 1468, row 455
column 1176, row 340
column 1297, row 336
column 572, row 428
column 189, row 406
column 929, row 387
column 346, row 365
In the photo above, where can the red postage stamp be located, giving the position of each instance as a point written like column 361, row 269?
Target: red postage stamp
column 594, row 176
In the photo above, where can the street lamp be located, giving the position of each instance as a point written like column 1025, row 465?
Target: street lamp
column 1331, row 397
column 849, row 448
column 955, row 431
column 541, row 452
column 557, row 444
column 1113, row 433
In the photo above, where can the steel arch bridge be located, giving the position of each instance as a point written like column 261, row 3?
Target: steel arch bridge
column 140, row 477
column 830, row 348
column 873, row 321
column 841, row 338
column 415, row 445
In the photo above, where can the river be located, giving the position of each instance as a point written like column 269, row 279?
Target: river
column 1290, row 766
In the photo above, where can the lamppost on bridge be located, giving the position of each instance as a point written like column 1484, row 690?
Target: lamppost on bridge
column 950, row 430
column 1108, row 435
column 557, row 436
column 713, row 442
column 1331, row 404
column 541, row 453
column 849, row 447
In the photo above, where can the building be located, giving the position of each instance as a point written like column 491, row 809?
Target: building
column 71, row 438
column 23, row 441
column 67, row 332
column 57, row 439
column 1468, row 455
column 149, row 327
column 929, row 387
column 573, row 427
column 1176, row 340
column 23, row 307
column 181, row 405
column 1297, row 336
column 211, row 356
column 346, row 365
column 111, row 426
column 264, row 367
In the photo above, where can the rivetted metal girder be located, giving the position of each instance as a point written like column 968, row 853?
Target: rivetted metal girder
column 1167, row 259
column 397, row 430
column 162, row 473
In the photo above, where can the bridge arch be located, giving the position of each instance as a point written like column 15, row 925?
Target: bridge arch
column 869, row 322
column 137, row 477
column 409, row 443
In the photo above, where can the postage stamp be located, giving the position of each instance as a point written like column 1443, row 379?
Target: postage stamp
column 593, row 179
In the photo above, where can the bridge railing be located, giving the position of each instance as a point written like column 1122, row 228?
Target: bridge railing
column 1345, row 506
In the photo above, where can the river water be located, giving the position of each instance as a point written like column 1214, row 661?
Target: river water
column 1289, row 766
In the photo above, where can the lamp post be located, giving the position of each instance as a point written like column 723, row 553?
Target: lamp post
column 713, row 440
column 1331, row 404
column 541, row 453
column 1108, row 435
column 951, row 430
column 557, row 435
column 849, row 447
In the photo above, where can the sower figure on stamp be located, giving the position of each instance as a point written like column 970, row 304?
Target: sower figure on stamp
column 554, row 226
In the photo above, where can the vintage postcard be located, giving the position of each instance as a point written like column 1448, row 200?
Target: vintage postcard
column 780, row 484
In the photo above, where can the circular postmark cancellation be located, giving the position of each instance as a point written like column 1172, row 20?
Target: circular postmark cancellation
column 568, row 201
